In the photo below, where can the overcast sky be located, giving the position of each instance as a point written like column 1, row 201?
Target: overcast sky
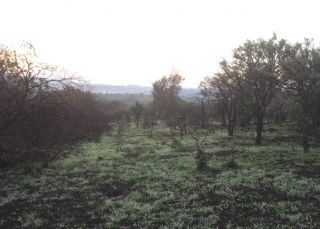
column 137, row 42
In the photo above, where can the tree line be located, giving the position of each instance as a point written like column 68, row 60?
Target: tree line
column 272, row 80
column 42, row 107
column 265, row 79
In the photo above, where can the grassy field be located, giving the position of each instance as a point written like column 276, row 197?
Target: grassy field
column 141, row 182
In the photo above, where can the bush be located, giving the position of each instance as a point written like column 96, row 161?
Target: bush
column 201, row 156
column 40, row 109
column 232, row 164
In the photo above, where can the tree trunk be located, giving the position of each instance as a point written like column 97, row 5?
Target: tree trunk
column 150, row 131
column 230, row 128
column 231, row 119
column 3, row 157
column 305, row 140
column 181, row 132
column 224, row 125
column 203, row 115
column 259, row 128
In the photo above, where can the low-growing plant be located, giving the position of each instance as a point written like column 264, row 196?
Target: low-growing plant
column 232, row 164
column 201, row 157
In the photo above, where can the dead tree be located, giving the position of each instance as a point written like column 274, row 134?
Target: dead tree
column 201, row 158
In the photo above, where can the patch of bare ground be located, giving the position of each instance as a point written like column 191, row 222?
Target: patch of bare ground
column 10, row 213
column 227, row 152
column 114, row 188
column 278, row 139
column 211, row 198
column 308, row 170
column 131, row 154
column 242, row 213
column 67, row 207
column 244, row 216
column 267, row 195
column 173, row 155
column 285, row 163
column 110, row 186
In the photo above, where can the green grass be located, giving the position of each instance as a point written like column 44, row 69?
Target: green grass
column 154, row 183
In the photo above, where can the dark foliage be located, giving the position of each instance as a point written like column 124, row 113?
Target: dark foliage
column 40, row 109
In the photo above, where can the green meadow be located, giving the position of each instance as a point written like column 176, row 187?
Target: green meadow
column 134, row 181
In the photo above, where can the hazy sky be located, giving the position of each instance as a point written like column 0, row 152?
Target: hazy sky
column 139, row 41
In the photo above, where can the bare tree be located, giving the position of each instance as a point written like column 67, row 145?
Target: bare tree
column 201, row 144
column 41, row 106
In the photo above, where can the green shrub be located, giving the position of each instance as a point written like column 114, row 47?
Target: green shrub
column 232, row 164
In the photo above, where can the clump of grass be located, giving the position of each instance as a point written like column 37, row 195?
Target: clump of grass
column 176, row 143
column 201, row 156
column 31, row 220
column 232, row 164
column 289, row 185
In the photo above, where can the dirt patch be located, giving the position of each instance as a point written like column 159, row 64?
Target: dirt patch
column 281, row 138
column 245, row 144
column 243, row 216
column 11, row 212
column 110, row 186
column 215, row 172
column 77, row 207
column 228, row 152
column 113, row 188
column 240, row 214
column 211, row 198
column 286, row 163
column 308, row 171
column 53, row 207
column 267, row 195
column 131, row 154
column 243, row 211
column 173, row 155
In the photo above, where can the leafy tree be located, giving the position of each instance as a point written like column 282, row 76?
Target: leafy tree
column 204, row 100
column 302, row 68
column 256, row 74
column 181, row 117
column 279, row 108
column 137, row 111
column 149, row 119
column 117, row 110
column 226, row 98
column 165, row 95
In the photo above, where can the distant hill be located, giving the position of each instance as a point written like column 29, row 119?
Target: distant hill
column 136, row 89
column 120, row 89
column 130, row 93
column 127, row 99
